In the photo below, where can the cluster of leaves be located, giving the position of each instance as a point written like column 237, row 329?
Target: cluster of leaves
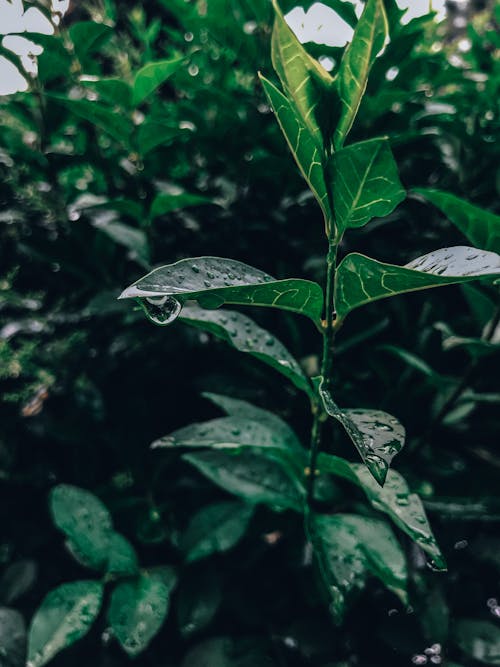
column 147, row 137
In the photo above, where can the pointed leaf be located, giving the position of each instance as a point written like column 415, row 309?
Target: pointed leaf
column 242, row 333
column 151, row 76
column 122, row 559
column 254, row 478
column 480, row 226
column 305, row 150
column 152, row 134
column 369, row 39
column 377, row 435
column 215, row 528
column 64, row 616
column 366, row 183
column 88, row 36
column 113, row 91
column 349, row 548
column 214, row 281
column 166, row 203
column 394, row 498
column 137, row 611
column 361, row 280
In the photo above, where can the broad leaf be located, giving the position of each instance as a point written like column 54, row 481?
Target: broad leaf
column 369, row 39
column 151, row 76
column 242, row 333
column 88, row 36
column 253, row 477
column 304, row 80
column 137, row 611
column 17, row 579
column 215, row 528
column 348, row 549
column 362, row 280
column 365, row 183
column 122, row 559
column 114, row 91
column 377, row 435
column 305, row 150
column 214, row 281
column 166, row 203
column 12, row 638
column 152, row 134
column 395, row 499
column 479, row 640
column 64, row 616
column 480, row 226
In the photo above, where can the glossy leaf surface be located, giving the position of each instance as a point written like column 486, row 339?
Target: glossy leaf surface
column 480, row 226
column 366, row 183
column 362, row 280
column 246, row 336
column 151, row 76
column 64, row 616
column 377, row 435
column 214, row 281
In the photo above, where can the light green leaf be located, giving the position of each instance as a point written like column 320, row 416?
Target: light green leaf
column 131, row 238
column 137, row 611
column 304, row 80
column 366, row 183
column 394, row 499
column 480, row 226
column 479, row 640
column 348, row 548
column 88, row 36
column 242, row 333
column 12, row 638
column 362, row 280
column 369, row 39
column 166, row 203
column 377, row 435
column 114, row 91
column 122, row 559
column 305, row 150
column 64, row 616
column 215, row 528
column 152, row 134
column 253, row 477
column 152, row 75
column 199, row 598
column 214, row 281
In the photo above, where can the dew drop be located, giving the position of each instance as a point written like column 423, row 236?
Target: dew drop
column 162, row 310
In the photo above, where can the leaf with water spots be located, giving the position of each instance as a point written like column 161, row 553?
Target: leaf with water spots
column 349, row 548
column 377, row 435
column 213, row 282
column 480, row 226
column 394, row 499
column 137, row 611
column 362, row 280
column 242, row 333
column 365, row 183
column 305, row 150
column 368, row 40
column 65, row 615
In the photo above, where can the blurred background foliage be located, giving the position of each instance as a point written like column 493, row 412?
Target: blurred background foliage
column 102, row 178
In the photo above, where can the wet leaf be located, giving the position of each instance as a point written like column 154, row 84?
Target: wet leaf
column 215, row 528
column 366, row 183
column 377, row 435
column 369, row 39
column 214, row 281
column 137, row 611
column 12, row 638
column 199, row 598
column 153, row 75
column 479, row 640
column 349, row 548
column 394, row 499
column 65, row 615
column 362, row 280
column 480, row 226
column 242, row 333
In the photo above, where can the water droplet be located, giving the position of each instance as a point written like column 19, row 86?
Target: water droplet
column 196, row 268
column 270, row 342
column 419, row 659
column 162, row 310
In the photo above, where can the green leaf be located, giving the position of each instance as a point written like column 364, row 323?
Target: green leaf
column 253, row 477
column 122, row 559
column 113, row 91
column 84, row 520
column 481, row 227
column 369, row 39
column 214, row 281
column 348, row 548
column 198, row 600
column 377, row 435
column 152, row 134
column 88, row 36
column 131, row 238
column 242, row 333
column 167, row 203
column 151, row 76
column 479, row 640
column 394, row 499
column 365, row 183
column 362, row 280
column 65, row 615
column 304, row 80
column 137, row 611
column 12, row 638
column 305, row 150
column 214, row 529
